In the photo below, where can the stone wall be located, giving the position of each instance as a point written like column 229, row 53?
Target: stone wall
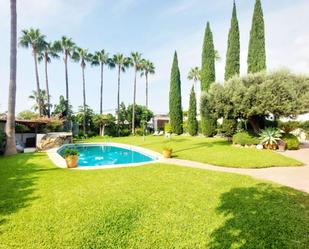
column 53, row 140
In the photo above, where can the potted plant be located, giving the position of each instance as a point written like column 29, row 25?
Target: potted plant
column 71, row 157
column 270, row 138
column 167, row 152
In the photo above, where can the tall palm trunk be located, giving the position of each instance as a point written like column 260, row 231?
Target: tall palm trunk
column 118, row 100
column 134, row 100
column 146, row 75
column 10, row 147
column 66, row 81
column 47, row 85
column 38, row 89
column 101, row 90
column 84, row 99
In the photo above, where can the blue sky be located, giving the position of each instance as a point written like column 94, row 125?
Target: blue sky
column 156, row 29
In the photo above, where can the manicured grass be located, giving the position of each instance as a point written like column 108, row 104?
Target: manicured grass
column 153, row 206
column 207, row 150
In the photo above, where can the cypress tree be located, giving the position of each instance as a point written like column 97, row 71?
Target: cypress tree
column 208, row 72
column 175, row 113
column 192, row 121
column 256, row 54
column 232, row 66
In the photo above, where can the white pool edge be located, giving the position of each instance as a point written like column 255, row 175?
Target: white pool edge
column 59, row 161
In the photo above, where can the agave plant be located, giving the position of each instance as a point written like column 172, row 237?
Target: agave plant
column 270, row 137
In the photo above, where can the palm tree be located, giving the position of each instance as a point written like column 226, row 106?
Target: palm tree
column 10, row 147
column 100, row 58
column 122, row 63
column 34, row 39
column 147, row 68
column 136, row 60
column 49, row 51
column 66, row 46
column 82, row 56
column 194, row 74
column 40, row 99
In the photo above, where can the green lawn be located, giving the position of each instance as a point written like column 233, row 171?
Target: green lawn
column 207, row 150
column 153, row 206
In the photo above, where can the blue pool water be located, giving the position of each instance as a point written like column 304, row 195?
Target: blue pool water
column 100, row 155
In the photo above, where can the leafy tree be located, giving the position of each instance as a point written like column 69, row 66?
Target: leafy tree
column 192, row 121
column 34, row 39
column 122, row 63
column 175, row 108
column 61, row 110
column 143, row 114
column 147, row 68
column 123, row 114
column 85, row 113
column 40, row 99
column 101, row 58
column 257, row 96
column 10, row 147
column 208, row 73
column 136, row 61
column 257, row 54
column 27, row 115
column 232, row 66
column 48, row 52
column 82, row 56
column 66, row 46
column 103, row 120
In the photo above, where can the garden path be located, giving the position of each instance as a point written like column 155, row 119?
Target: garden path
column 294, row 177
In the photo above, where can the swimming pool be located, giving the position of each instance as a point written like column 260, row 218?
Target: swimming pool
column 106, row 155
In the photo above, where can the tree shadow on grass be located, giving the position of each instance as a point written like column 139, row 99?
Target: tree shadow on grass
column 203, row 145
column 263, row 217
column 17, row 184
column 113, row 230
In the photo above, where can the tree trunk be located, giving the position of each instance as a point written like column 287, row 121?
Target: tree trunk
column 118, row 100
column 101, row 90
column 256, row 123
column 47, row 85
column 146, row 75
column 66, row 82
column 133, row 107
column 38, row 89
column 84, row 100
column 10, row 147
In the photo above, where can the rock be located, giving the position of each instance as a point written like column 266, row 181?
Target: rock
column 259, row 147
column 54, row 140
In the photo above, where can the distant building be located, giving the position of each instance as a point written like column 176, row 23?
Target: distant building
column 159, row 120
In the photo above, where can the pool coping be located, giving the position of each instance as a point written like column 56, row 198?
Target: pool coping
column 59, row 161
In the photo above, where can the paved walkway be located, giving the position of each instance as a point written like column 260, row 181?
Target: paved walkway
column 294, row 177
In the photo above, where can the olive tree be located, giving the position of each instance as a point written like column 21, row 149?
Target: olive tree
column 257, row 96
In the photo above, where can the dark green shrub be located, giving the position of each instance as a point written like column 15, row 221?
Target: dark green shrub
column 125, row 132
column 244, row 138
column 289, row 126
column 20, row 128
column 229, row 127
column 209, row 127
column 292, row 142
column 139, row 131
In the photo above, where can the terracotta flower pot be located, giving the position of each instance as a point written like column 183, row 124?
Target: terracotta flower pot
column 167, row 153
column 71, row 161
